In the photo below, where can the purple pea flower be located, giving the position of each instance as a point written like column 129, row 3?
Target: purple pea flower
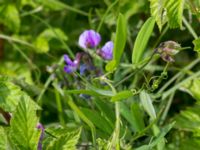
column 71, row 66
column 89, row 39
column 40, row 127
column 106, row 52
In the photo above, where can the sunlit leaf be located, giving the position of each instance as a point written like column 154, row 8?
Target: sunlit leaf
column 196, row 43
column 23, row 132
column 41, row 44
column 119, row 44
column 121, row 96
column 175, row 12
column 147, row 104
column 142, row 40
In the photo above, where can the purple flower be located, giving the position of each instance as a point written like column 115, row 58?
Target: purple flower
column 71, row 66
column 40, row 127
column 106, row 52
column 89, row 39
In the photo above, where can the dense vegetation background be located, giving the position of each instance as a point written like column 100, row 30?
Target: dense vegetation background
column 140, row 100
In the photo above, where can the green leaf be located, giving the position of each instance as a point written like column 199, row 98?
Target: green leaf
column 126, row 113
column 65, row 139
column 10, row 95
column 122, row 96
column 147, row 104
column 158, row 139
column 54, row 33
column 3, row 139
column 142, row 40
column 9, row 16
column 119, row 43
column 41, row 44
column 175, row 12
column 137, row 116
column 196, row 43
column 158, row 11
column 193, row 88
column 98, row 120
column 23, row 132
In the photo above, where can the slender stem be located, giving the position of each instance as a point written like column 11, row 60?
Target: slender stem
column 59, row 107
column 188, row 67
column 105, row 14
column 190, row 29
column 50, row 27
column 47, row 83
column 83, row 117
column 167, row 93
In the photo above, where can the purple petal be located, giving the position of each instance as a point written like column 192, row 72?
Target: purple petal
column 68, row 60
column 106, row 51
column 69, row 69
column 89, row 39
column 40, row 126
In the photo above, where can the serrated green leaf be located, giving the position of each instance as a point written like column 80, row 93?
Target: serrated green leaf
column 23, row 132
column 196, row 43
column 9, row 16
column 66, row 141
column 142, row 40
column 119, row 44
column 147, row 104
column 3, row 139
column 41, row 44
column 122, row 96
column 175, row 12
column 10, row 95
column 158, row 11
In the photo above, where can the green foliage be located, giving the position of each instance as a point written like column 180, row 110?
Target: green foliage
column 175, row 13
column 9, row 16
column 158, row 11
column 23, row 132
column 142, row 40
column 119, row 44
column 196, row 43
column 64, row 139
column 147, row 104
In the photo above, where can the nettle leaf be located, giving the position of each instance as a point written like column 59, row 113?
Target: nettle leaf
column 23, row 132
column 9, row 16
column 119, row 44
column 3, row 139
column 142, row 40
column 41, row 44
column 64, row 139
column 175, row 12
column 10, row 95
column 147, row 104
column 193, row 88
column 196, row 43
column 159, row 12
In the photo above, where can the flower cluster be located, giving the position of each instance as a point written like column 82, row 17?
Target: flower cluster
column 88, row 39
column 167, row 50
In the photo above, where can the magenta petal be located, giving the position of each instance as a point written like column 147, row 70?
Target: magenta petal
column 89, row 39
column 106, row 51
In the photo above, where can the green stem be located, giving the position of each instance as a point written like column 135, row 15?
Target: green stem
column 83, row 117
column 104, row 16
column 174, row 88
column 190, row 29
column 59, row 107
column 51, row 28
column 188, row 67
